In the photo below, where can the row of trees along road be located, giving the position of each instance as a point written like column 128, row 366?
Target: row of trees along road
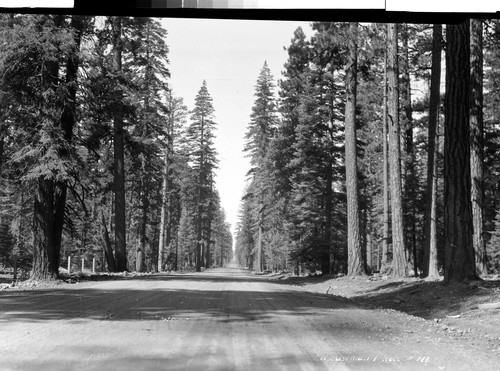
column 363, row 163
column 97, row 158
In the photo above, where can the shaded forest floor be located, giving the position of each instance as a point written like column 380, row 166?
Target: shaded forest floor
column 470, row 310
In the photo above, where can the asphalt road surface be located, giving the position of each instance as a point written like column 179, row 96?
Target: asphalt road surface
column 222, row 319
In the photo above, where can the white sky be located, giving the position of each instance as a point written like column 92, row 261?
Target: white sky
column 229, row 55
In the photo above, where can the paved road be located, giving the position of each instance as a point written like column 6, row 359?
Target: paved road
column 222, row 319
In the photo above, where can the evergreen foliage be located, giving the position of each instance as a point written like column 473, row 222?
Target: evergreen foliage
column 66, row 82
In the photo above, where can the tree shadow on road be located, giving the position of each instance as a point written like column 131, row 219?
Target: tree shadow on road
column 164, row 303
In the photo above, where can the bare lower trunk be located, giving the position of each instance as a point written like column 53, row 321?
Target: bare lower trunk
column 258, row 262
column 108, row 249
column 144, row 220
column 119, row 156
column 459, row 251
column 208, row 262
column 198, row 252
column 369, row 252
column 327, row 233
column 354, row 257
column 430, row 244
column 385, row 238
column 408, row 159
column 433, row 264
column 398, row 242
column 45, row 255
column 163, row 217
column 476, row 142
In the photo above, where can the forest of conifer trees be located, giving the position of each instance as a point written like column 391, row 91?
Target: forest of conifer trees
column 375, row 151
column 367, row 158
column 99, row 161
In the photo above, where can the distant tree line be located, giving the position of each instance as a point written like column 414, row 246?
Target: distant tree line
column 360, row 164
column 97, row 157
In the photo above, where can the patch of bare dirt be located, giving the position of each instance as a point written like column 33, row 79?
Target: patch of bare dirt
column 469, row 310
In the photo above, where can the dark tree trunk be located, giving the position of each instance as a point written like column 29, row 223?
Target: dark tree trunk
column 201, row 193
column 145, row 163
column 430, row 264
column 119, row 157
column 209, row 235
column 476, row 142
column 354, row 258
column 258, row 262
column 398, row 243
column 459, row 251
column 199, row 236
column 45, row 253
column 409, row 157
column 108, row 249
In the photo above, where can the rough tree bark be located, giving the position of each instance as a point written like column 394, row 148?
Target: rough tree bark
column 354, row 257
column 430, row 263
column 409, row 157
column 163, row 217
column 398, row 242
column 201, row 179
column 108, row 249
column 258, row 262
column 433, row 265
column 208, row 261
column 118, row 146
column 459, row 251
column 476, row 141
column 385, row 236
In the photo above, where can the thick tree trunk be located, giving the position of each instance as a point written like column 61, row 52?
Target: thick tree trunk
column 45, row 257
column 385, row 235
column 108, row 249
column 119, row 156
column 398, row 242
column 459, row 251
column 476, row 142
column 2, row 146
column 430, row 264
column 408, row 158
column 354, row 257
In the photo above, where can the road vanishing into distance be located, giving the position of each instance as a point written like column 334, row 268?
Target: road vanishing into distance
column 221, row 319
